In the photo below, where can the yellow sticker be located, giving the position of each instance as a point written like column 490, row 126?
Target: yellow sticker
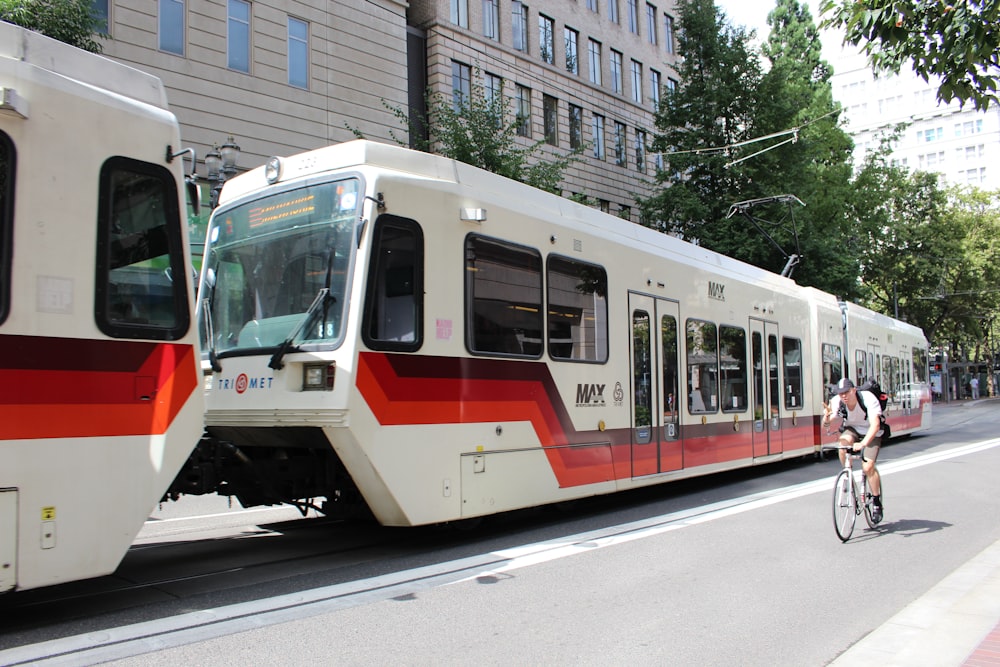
column 48, row 513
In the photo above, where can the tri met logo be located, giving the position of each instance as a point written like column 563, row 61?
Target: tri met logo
column 241, row 383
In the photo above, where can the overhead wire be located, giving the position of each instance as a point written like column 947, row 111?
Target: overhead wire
column 739, row 144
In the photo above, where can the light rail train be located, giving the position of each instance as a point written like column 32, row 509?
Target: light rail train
column 101, row 397
column 398, row 333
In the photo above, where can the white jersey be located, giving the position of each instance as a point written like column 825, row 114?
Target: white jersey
column 856, row 418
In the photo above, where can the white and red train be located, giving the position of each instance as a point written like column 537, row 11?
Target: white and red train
column 385, row 332
column 395, row 332
column 101, row 396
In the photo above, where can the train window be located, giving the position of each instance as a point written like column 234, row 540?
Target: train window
column 641, row 385
column 141, row 286
column 791, row 353
column 393, row 318
column 757, row 354
column 774, row 381
column 833, row 367
column 702, row 367
column 668, row 334
column 7, row 173
column 577, row 310
column 860, row 367
column 919, row 365
column 733, row 368
column 503, row 298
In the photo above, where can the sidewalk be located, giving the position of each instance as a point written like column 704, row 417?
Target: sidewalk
column 956, row 623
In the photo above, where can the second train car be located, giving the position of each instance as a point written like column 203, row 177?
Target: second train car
column 398, row 333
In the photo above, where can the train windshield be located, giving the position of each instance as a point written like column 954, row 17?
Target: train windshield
column 277, row 270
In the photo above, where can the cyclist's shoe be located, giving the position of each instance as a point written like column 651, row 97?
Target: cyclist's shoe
column 876, row 512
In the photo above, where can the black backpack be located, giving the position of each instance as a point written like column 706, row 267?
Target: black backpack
column 872, row 387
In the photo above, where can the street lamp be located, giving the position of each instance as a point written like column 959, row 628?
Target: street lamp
column 220, row 162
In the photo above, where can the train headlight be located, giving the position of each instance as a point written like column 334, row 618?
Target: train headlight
column 272, row 170
column 318, row 377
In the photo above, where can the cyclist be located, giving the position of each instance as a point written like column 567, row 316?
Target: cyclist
column 855, row 423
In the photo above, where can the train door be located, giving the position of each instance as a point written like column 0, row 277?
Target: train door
column 765, row 390
column 656, row 430
column 874, row 365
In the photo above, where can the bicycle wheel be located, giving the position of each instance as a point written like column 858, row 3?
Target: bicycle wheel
column 868, row 504
column 844, row 505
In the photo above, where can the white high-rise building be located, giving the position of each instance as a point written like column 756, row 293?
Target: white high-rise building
column 961, row 144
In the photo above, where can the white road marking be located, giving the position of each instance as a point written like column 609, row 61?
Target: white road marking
column 140, row 638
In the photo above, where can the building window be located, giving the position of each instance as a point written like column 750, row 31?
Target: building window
column 633, row 16
column 572, row 38
column 637, row 82
column 460, row 13
column 171, row 26
column 298, row 53
column 491, row 19
column 461, row 85
column 594, row 49
column 575, row 126
column 616, row 71
column 520, row 26
column 546, row 39
column 503, row 298
column 492, row 88
column 640, row 151
column 102, row 16
column 654, row 88
column 613, row 15
column 671, row 85
column 550, row 116
column 238, row 44
column 592, row 5
column 668, row 32
column 651, row 23
column 620, row 155
column 598, row 137
column 523, row 101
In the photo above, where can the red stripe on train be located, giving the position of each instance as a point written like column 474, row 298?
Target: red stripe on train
column 67, row 387
column 406, row 389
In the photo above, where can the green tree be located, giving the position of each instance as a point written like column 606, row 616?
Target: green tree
column 930, row 255
column 780, row 136
column 479, row 129
column 816, row 162
column 69, row 21
column 956, row 41
column 711, row 108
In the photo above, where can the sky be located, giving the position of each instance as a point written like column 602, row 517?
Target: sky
column 752, row 13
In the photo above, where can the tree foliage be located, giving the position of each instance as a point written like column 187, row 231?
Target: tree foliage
column 711, row 108
column 957, row 41
column 69, row 21
column 479, row 129
column 930, row 254
column 710, row 130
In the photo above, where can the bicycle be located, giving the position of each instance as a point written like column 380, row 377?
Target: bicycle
column 845, row 497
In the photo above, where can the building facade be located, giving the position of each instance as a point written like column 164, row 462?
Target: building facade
column 960, row 144
column 284, row 77
column 579, row 74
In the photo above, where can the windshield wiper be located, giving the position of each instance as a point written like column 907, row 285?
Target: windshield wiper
column 213, row 358
column 324, row 299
